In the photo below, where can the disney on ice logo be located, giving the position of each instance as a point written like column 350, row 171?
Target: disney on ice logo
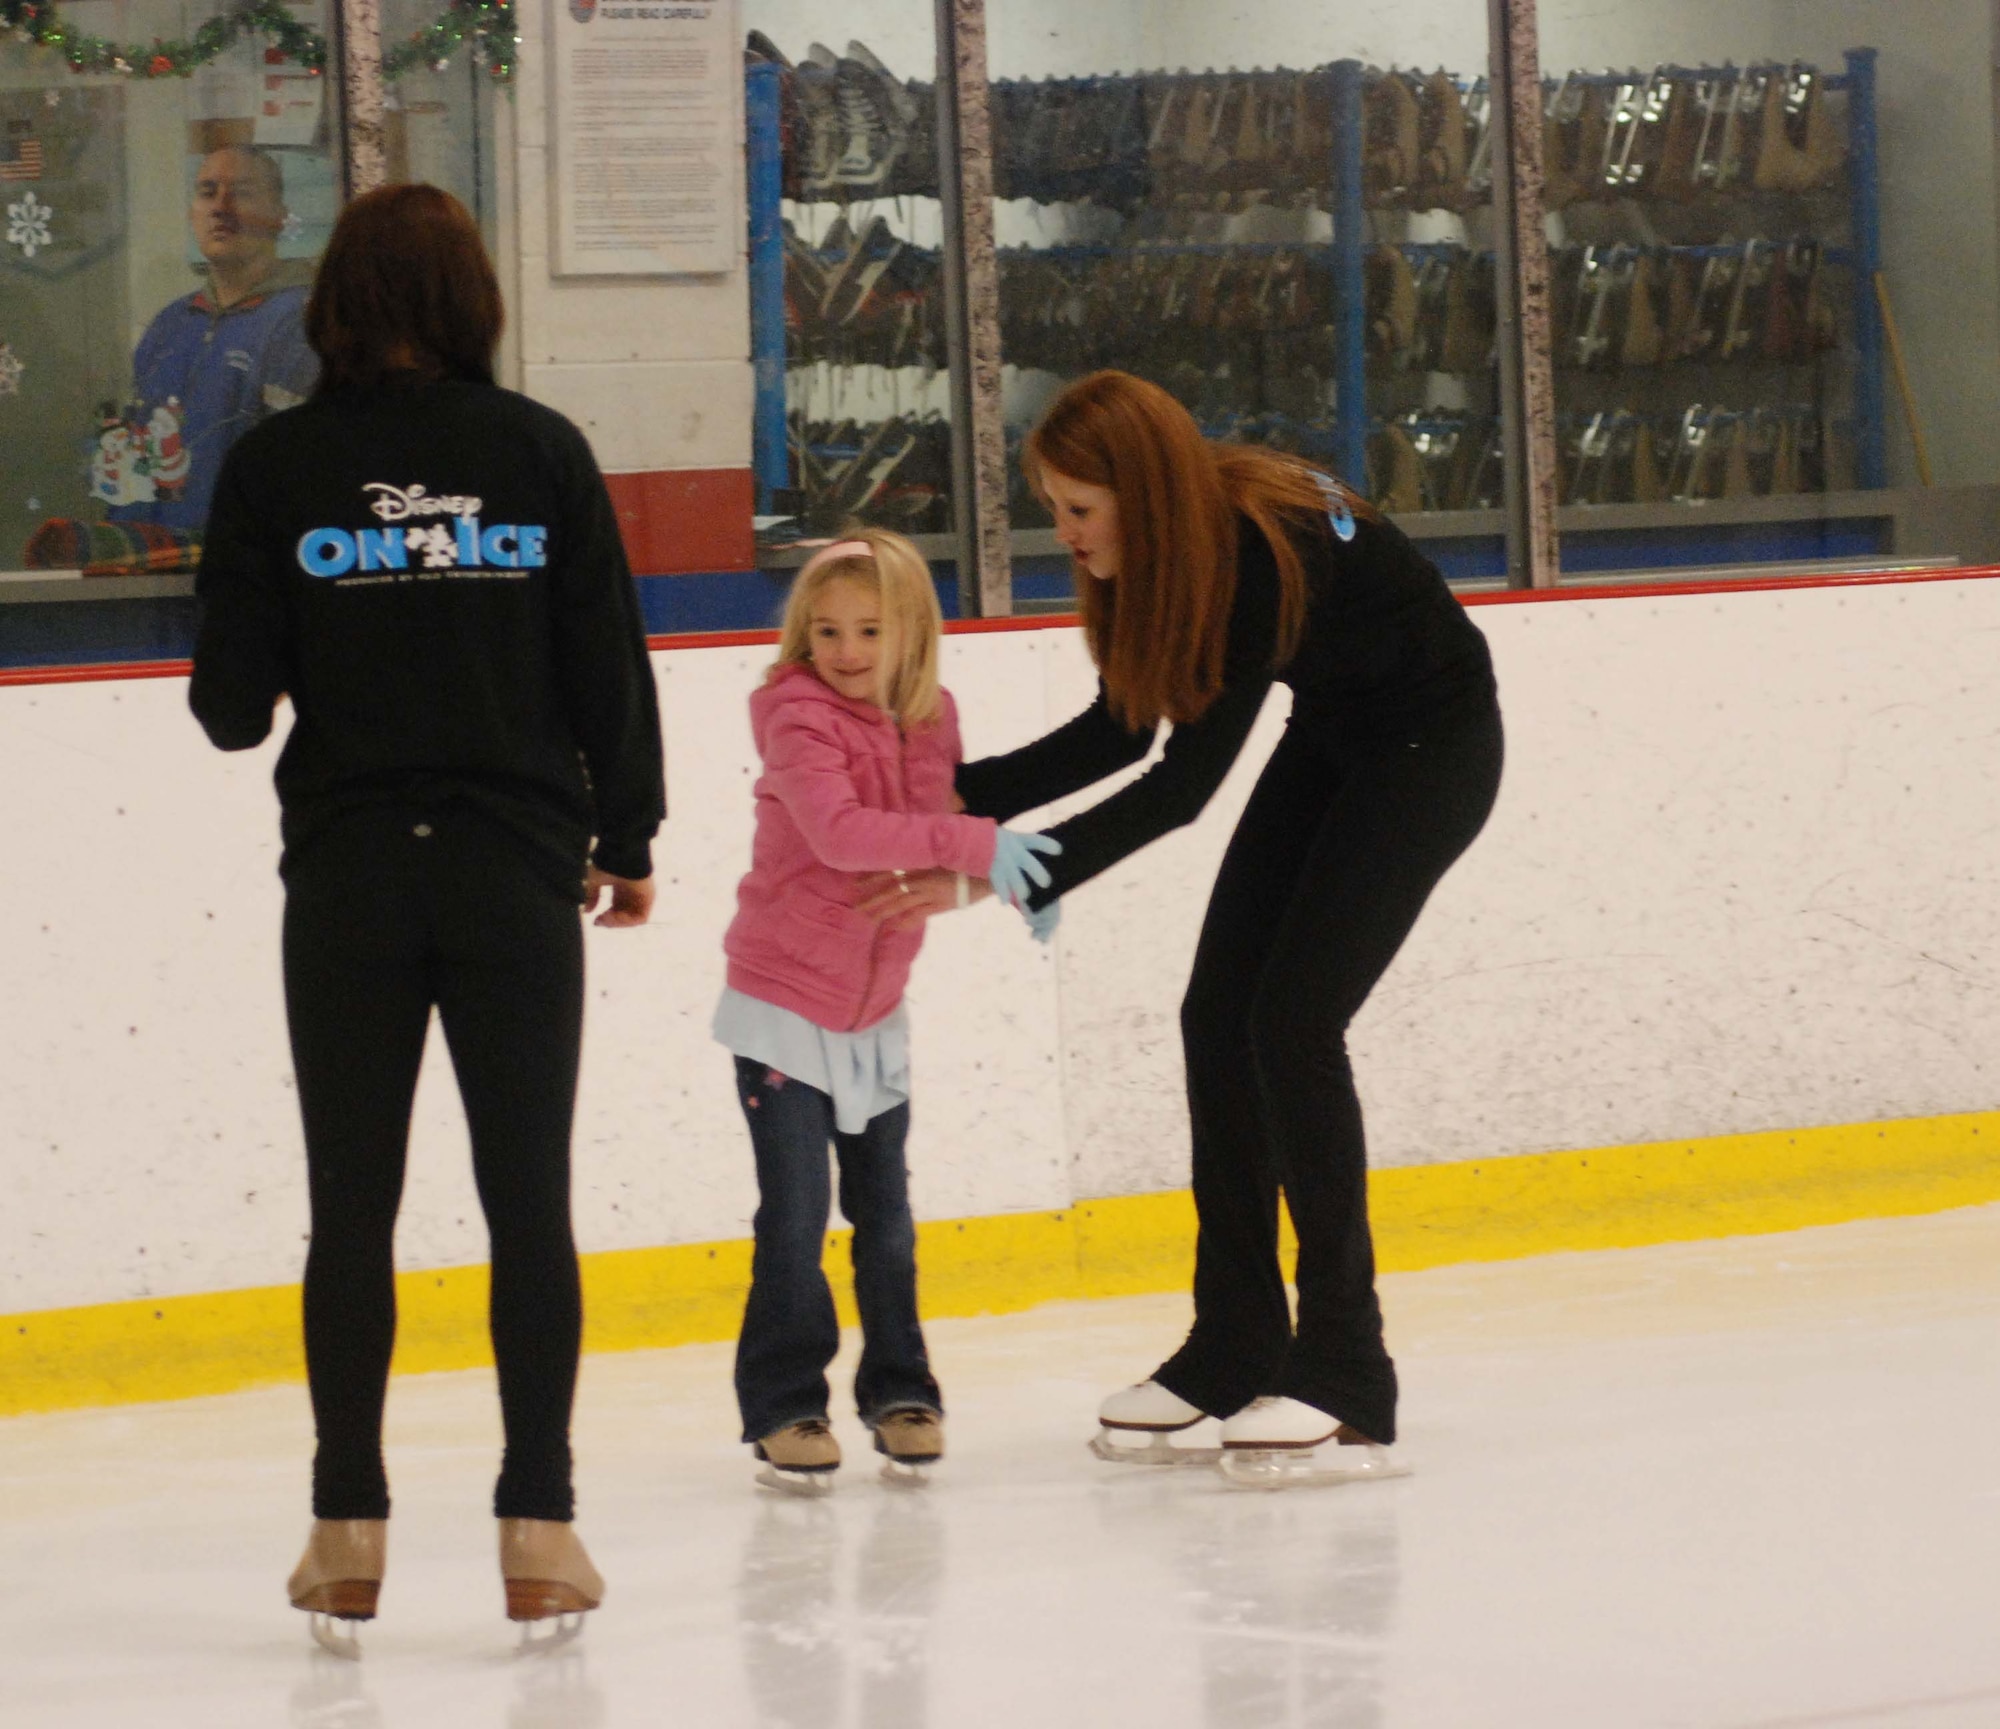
column 431, row 548
column 400, row 503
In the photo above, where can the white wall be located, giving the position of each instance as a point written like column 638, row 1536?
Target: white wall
column 1743, row 876
column 655, row 370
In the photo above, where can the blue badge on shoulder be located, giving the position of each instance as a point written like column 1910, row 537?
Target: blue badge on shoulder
column 1337, row 511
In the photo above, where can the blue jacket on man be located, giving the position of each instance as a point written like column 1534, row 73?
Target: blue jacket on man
column 216, row 372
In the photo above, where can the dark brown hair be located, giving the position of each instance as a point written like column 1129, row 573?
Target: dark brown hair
column 1159, row 631
column 405, row 286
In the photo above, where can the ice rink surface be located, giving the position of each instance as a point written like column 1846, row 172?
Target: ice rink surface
column 1751, row 1484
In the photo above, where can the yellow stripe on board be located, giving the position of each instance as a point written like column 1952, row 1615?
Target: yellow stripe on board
column 1425, row 1216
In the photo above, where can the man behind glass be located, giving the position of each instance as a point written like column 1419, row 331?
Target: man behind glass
column 215, row 362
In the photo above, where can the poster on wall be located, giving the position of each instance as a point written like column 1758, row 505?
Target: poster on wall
column 643, row 131
column 290, row 102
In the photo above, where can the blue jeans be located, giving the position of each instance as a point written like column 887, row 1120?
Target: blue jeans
column 790, row 1333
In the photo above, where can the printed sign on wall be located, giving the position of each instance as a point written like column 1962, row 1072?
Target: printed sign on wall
column 643, row 131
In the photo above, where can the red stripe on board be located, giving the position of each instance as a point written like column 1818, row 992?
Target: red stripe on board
column 105, row 674
column 109, row 672
column 686, row 521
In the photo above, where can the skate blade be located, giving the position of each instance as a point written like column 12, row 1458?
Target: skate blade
column 810, row 1484
column 1301, row 1467
column 335, row 1634
column 549, row 1633
column 1158, row 1449
column 907, row 1474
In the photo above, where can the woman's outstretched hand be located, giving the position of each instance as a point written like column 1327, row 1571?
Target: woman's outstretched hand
column 909, row 899
column 1017, row 871
column 631, row 899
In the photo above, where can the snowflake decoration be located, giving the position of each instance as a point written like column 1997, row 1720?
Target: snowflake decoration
column 10, row 370
column 28, row 225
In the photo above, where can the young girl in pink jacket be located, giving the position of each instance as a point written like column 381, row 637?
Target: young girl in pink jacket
column 859, row 746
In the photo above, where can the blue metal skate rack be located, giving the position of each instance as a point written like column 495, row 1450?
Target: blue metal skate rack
column 1351, row 247
column 770, row 461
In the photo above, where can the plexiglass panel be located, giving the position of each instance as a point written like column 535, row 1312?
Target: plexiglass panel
column 168, row 177
column 442, row 83
column 1279, row 212
column 846, row 236
column 1748, row 203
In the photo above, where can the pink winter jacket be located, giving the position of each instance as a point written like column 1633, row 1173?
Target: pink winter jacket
column 844, row 791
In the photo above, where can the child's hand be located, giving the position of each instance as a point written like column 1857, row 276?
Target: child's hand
column 631, row 899
column 901, row 901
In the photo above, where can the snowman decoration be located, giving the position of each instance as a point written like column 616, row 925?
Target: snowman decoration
column 119, row 471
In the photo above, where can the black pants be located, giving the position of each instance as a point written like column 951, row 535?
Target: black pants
column 390, row 914
column 1326, row 874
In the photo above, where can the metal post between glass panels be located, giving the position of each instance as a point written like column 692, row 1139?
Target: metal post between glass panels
column 1527, row 378
column 363, row 132
column 972, row 312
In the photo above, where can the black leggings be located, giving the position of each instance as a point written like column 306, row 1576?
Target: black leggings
column 390, row 914
column 1328, row 870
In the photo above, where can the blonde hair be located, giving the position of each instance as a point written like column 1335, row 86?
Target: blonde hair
column 906, row 668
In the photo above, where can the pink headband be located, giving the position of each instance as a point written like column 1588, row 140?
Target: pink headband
column 839, row 549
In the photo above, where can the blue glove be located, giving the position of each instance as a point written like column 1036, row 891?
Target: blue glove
column 1042, row 924
column 1017, row 872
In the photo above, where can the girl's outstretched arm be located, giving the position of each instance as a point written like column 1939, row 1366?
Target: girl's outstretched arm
column 808, row 770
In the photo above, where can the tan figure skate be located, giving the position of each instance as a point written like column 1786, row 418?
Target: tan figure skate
column 339, row 1579
column 800, row 1458
column 548, row 1577
column 910, row 1440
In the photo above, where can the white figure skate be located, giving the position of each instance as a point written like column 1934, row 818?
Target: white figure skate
column 911, row 1441
column 1147, row 1425
column 800, row 1458
column 1286, row 1443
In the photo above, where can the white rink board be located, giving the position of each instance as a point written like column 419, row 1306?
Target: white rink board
column 1742, row 877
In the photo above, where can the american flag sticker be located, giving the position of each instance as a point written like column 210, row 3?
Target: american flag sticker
column 21, row 161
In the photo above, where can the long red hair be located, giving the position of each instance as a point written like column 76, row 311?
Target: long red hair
column 1159, row 632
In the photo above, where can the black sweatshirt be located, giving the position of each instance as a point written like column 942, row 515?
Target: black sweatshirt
column 1387, row 655
column 433, row 574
